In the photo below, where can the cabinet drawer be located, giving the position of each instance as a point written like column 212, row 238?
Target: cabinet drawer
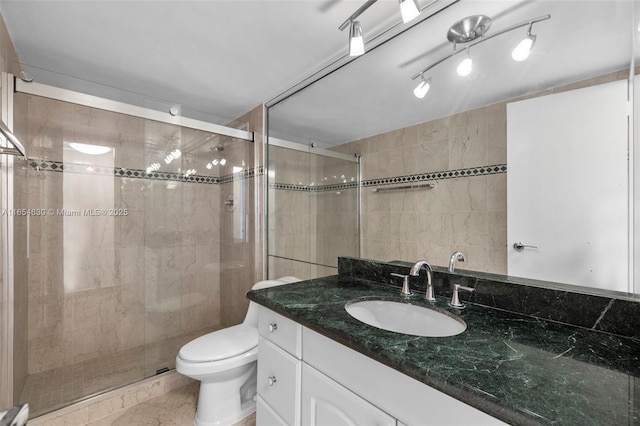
column 281, row 331
column 279, row 381
column 326, row 403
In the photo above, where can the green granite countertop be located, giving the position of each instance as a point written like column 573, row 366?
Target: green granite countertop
column 519, row 369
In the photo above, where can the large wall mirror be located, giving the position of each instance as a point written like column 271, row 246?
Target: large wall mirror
column 526, row 166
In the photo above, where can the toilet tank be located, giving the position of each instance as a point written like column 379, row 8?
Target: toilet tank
column 252, row 314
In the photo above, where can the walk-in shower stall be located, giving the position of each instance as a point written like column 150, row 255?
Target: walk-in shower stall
column 129, row 225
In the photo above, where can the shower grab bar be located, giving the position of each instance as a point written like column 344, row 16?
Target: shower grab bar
column 398, row 188
column 17, row 149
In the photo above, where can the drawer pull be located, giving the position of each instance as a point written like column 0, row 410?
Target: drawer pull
column 273, row 327
column 271, row 380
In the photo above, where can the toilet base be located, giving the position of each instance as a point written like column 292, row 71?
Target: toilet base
column 226, row 403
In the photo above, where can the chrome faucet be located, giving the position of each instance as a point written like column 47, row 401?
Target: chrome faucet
column 452, row 262
column 415, row 271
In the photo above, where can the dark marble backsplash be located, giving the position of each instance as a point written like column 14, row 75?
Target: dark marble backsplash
column 619, row 316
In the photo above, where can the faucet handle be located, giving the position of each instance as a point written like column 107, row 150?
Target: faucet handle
column 405, row 283
column 455, row 298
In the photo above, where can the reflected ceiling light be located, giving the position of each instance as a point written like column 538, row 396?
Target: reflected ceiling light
column 173, row 155
column 89, row 149
column 523, row 49
column 466, row 66
column 223, row 162
column 472, row 28
column 409, row 10
column 421, row 90
column 356, row 41
column 152, row 168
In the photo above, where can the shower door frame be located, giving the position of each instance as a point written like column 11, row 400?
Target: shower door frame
column 58, row 94
column 6, row 203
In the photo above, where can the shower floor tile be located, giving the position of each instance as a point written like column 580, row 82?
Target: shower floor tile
column 57, row 388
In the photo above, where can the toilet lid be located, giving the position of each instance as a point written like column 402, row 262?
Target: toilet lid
column 221, row 344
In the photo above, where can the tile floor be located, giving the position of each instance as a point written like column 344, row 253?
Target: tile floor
column 57, row 388
column 175, row 408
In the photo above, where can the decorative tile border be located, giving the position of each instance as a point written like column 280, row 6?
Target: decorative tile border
column 396, row 180
column 446, row 174
column 60, row 167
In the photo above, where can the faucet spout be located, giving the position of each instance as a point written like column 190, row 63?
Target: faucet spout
column 452, row 262
column 415, row 271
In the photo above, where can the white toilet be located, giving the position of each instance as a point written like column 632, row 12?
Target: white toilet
column 225, row 363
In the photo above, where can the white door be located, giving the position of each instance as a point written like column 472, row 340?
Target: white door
column 568, row 187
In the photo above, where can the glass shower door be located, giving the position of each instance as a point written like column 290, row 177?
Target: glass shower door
column 124, row 252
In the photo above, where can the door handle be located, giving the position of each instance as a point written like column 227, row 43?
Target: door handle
column 519, row 246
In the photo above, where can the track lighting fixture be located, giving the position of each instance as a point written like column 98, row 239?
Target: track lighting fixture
column 409, row 10
column 421, row 90
column 466, row 31
column 356, row 41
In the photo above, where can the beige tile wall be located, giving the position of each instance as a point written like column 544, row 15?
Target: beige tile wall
column 458, row 214
column 20, row 262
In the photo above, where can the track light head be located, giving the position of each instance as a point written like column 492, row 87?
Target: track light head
column 356, row 40
column 523, row 49
column 466, row 66
column 409, row 10
column 421, row 90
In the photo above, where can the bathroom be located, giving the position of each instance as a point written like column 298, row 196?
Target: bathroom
column 135, row 287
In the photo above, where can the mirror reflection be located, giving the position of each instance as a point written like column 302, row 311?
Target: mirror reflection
column 530, row 153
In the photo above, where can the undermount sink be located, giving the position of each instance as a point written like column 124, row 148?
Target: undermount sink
column 405, row 318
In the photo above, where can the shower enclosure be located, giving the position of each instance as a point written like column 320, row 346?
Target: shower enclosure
column 132, row 234
column 313, row 209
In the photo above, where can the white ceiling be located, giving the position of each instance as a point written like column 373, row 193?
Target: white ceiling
column 217, row 60
column 220, row 58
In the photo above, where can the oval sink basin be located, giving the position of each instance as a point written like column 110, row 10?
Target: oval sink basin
column 405, row 318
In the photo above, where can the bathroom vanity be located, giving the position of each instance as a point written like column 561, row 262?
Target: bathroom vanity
column 306, row 378
column 319, row 365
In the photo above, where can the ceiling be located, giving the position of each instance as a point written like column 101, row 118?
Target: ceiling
column 216, row 60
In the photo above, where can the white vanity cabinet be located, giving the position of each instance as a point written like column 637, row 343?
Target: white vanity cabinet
column 317, row 381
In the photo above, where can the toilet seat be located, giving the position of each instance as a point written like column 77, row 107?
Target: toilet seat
column 219, row 351
column 221, row 344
